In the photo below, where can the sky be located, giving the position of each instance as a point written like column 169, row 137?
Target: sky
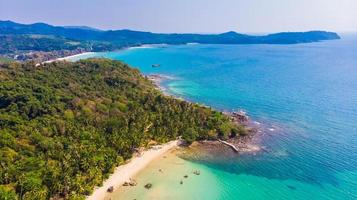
column 189, row 16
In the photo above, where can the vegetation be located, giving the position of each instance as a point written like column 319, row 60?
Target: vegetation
column 13, row 43
column 64, row 126
column 5, row 60
column 43, row 37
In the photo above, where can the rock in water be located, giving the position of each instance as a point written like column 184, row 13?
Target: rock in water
column 196, row 172
column 148, row 186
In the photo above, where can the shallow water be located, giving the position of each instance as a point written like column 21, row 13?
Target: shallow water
column 305, row 95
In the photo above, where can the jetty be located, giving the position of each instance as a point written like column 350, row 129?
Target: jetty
column 230, row 145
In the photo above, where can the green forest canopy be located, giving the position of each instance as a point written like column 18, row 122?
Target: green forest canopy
column 64, row 127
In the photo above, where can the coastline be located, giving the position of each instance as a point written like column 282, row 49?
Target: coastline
column 67, row 58
column 74, row 56
column 126, row 172
column 123, row 173
column 246, row 144
column 143, row 46
column 158, row 79
column 132, row 167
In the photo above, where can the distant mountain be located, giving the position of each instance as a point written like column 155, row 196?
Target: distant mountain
column 82, row 27
column 129, row 37
column 9, row 27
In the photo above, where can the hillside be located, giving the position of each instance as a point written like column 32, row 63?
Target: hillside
column 12, row 43
column 64, row 127
column 129, row 37
column 42, row 42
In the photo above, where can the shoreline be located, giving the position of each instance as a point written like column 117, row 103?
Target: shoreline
column 66, row 58
column 245, row 144
column 75, row 55
column 124, row 172
column 158, row 79
column 132, row 167
column 143, row 46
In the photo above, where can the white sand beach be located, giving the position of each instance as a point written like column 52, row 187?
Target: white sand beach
column 69, row 58
column 124, row 172
column 75, row 56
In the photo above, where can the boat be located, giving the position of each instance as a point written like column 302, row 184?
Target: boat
column 155, row 65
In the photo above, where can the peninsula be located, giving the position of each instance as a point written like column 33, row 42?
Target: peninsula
column 66, row 126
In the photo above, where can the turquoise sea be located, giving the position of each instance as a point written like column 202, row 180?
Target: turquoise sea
column 304, row 96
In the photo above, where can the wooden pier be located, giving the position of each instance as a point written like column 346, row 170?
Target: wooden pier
column 230, row 145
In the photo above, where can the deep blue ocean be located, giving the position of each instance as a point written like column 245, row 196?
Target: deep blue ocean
column 305, row 95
